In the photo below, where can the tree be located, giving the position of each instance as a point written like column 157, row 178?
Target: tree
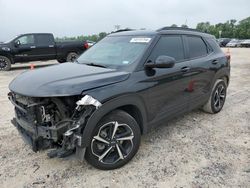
column 174, row 25
column 184, row 26
column 102, row 35
column 229, row 29
column 203, row 27
column 243, row 29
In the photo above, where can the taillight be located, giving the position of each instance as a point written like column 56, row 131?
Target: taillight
column 86, row 45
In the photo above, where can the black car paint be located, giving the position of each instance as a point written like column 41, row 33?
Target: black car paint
column 195, row 90
column 52, row 81
column 37, row 51
column 157, row 94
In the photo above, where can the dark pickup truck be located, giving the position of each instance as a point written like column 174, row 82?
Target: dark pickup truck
column 37, row 47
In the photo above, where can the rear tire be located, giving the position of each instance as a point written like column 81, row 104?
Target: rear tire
column 217, row 97
column 71, row 57
column 5, row 63
column 115, row 141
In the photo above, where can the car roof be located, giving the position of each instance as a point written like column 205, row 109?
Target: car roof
column 35, row 34
column 164, row 30
column 133, row 32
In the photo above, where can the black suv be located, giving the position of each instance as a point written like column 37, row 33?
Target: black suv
column 126, row 84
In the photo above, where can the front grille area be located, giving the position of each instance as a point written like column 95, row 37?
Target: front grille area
column 42, row 121
column 23, row 107
column 25, row 116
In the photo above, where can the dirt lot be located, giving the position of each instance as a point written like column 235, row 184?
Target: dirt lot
column 195, row 150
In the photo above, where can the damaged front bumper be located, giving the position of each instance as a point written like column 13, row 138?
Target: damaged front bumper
column 65, row 137
column 37, row 136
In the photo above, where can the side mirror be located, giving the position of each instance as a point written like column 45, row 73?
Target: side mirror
column 162, row 61
column 17, row 43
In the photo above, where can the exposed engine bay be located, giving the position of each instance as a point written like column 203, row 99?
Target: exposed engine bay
column 56, row 122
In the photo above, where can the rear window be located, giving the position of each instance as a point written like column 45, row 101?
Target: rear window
column 44, row 40
column 197, row 47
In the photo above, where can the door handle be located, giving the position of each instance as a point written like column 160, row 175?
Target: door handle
column 33, row 47
column 214, row 62
column 185, row 69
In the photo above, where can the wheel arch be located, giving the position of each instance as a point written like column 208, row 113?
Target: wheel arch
column 226, row 79
column 9, row 56
column 71, row 51
column 223, row 74
column 135, row 112
column 131, row 104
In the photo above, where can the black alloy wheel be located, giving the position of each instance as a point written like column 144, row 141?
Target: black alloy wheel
column 115, row 141
column 5, row 63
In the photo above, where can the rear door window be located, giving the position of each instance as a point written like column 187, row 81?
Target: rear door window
column 169, row 45
column 44, row 40
column 197, row 47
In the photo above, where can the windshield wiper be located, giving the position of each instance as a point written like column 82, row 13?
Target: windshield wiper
column 96, row 65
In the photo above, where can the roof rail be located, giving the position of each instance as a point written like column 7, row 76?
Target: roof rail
column 177, row 28
column 121, row 30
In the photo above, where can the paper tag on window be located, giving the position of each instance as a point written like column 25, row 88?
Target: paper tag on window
column 125, row 62
column 140, row 40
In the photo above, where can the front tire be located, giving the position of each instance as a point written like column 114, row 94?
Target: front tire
column 217, row 97
column 115, row 141
column 5, row 63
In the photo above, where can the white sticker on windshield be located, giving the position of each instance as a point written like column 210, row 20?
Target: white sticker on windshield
column 140, row 40
column 125, row 62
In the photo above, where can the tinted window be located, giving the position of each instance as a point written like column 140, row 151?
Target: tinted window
column 26, row 39
column 44, row 40
column 197, row 47
column 170, row 46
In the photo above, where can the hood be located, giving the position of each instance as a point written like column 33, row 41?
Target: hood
column 64, row 80
column 3, row 45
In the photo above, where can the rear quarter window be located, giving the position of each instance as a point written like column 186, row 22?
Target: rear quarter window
column 197, row 47
column 214, row 46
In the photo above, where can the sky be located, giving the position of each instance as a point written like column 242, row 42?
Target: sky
column 86, row 17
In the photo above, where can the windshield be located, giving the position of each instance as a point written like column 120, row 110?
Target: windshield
column 8, row 41
column 115, row 51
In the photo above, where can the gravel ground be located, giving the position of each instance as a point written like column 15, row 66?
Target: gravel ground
column 195, row 150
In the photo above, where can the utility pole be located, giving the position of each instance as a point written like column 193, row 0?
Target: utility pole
column 186, row 22
column 220, row 33
column 117, row 27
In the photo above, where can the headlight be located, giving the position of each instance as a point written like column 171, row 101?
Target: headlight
column 5, row 49
column 88, row 100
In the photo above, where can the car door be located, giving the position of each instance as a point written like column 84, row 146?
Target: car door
column 45, row 47
column 168, row 95
column 24, row 48
column 202, row 66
